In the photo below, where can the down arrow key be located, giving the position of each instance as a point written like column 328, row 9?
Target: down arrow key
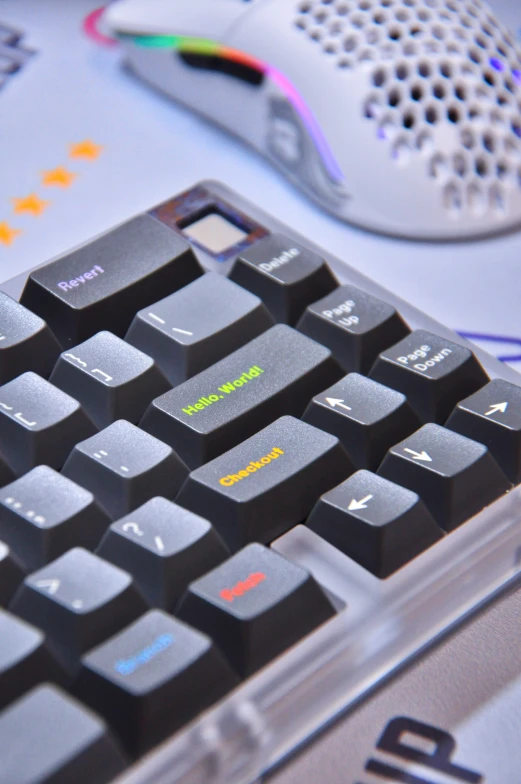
column 455, row 476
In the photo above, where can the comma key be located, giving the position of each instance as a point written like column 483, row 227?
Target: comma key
column 101, row 285
column 255, row 605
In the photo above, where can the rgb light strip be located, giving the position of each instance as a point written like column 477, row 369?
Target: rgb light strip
column 207, row 47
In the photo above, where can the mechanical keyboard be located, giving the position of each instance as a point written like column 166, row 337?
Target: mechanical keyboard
column 240, row 484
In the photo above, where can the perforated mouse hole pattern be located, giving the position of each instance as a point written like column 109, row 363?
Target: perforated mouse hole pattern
column 433, row 65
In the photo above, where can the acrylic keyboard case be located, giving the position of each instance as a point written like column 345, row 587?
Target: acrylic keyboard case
column 384, row 622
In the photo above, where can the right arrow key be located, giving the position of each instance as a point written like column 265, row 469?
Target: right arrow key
column 454, row 476
column 493, row 416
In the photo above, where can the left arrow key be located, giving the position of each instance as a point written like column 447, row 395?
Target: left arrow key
column 384, row 529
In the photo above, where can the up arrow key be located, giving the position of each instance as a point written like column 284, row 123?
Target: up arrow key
column 496, row 408
column 362, row 504
column 332, row 401
column 419, row 455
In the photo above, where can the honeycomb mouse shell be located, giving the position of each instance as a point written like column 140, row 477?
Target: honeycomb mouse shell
column 401, row 116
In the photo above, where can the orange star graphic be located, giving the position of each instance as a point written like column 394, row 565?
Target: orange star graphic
column 86, row 149
column 7, row 233
column 59, row 176
column 32, row 204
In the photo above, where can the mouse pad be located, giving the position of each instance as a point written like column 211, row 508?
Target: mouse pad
column 84, row 146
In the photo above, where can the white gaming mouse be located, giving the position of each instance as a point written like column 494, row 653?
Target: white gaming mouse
column 401, row 116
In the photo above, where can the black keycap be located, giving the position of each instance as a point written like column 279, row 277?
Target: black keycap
column 49, row 738
column 25, row 660
column 255, row 605
column 79, row 600
column 198, row 325
column 110, row 379
column 6, row 474
column 44, row 514
column 275, row 374
column 11, row 575
column 286, row 276
column 268, row 484
column 26, row 342
column 102, row 285
column 379, row 524
column 431, row 371
column 124, row 467
column 493, row 416
column 453, row 475
column 39, row 423
column 152, row 678
column 355, row 325
column 164, row 547
column 365, row 416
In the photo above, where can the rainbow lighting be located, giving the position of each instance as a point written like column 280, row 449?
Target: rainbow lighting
column 207, row 47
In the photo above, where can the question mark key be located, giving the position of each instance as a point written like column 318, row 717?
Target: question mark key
column 165, row 547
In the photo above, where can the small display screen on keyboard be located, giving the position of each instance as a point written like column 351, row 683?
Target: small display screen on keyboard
column 160, row 427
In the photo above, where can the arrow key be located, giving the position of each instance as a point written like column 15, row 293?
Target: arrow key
column 454, row 476
column 375, row 522
column 79, row 601
column 493, row 416
column 365, row 416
